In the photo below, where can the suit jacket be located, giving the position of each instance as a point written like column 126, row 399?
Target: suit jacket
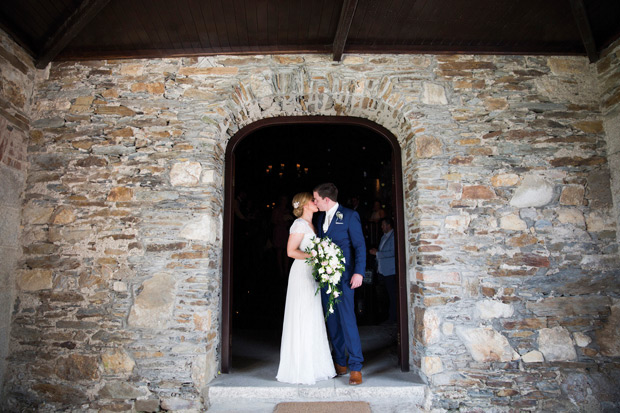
column 385, row 254
column 345, row 230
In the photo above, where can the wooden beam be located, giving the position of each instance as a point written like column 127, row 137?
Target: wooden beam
column 68, row 29
column 583, row 23
column 344, row 25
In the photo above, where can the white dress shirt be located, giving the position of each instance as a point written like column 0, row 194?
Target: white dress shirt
column 329, row 215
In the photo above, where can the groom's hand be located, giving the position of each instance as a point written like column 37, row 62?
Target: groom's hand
column 356, row 280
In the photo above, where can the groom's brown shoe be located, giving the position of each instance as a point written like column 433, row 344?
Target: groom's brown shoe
column 340, row 370
column 355, row 378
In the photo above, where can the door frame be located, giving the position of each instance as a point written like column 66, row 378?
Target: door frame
column 399, row 226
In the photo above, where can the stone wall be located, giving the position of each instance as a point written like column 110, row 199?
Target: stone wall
column 16, row 84
column 511, row 239
column 609, row 77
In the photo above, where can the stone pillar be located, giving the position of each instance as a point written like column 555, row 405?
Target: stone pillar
column 16, row 79
column 609, row 74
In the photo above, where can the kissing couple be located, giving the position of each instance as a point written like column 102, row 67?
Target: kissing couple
column 305, row 356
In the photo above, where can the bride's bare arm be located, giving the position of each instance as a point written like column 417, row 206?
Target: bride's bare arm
column 292, row 247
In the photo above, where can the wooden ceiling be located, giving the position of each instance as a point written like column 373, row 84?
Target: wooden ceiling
column 100, row 29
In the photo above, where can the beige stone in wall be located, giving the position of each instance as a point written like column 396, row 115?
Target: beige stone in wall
column 122, row 390
column 120, row 194
column 154, row 305
column 556, row 344
column 590, row 126
column 132, row 70
column 205, row 228
column 34, row 280
column 431, row 365
column 572, row 195
column 458, row 222
column 432, row 333
column 428, row 147
column 505, row 180
column 77, row 367
column 571, row 216
column 512, row 223
column 533, row 356
column 567, row 65
column 204, row 369
column 117, row 361
column 598, row 221
column 36, row 215
column 185, row 173
column 581, row 339
column 434, row 95
column 62, row 216
column 485, row 344
column 495, row 104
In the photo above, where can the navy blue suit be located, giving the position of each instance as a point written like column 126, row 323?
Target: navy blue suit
column 345, row 230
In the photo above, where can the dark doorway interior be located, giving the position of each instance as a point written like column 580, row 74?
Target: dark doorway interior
column 272, row 165
column 267, row 163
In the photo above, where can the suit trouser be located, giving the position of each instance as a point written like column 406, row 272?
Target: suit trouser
column 342, row 328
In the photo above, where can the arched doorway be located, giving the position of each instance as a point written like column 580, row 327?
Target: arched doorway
column 396, row 201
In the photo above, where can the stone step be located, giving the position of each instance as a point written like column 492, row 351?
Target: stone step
column 383, row 397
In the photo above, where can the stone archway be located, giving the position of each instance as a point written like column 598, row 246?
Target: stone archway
column 397, row 202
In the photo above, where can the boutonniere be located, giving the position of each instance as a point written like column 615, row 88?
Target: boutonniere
column 339, row 215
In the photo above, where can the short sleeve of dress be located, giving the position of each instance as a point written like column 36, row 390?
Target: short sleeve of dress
column 299, row 227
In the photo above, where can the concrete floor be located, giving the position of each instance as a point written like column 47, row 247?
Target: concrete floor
column 252, row 387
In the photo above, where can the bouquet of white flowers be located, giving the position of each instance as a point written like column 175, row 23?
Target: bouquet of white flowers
column 327, row 262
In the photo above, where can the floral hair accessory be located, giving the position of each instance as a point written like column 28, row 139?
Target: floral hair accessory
column 296, row 204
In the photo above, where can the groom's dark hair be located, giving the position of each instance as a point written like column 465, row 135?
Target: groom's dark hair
column 327, row 190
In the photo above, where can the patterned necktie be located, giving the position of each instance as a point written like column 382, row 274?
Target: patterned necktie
column 328, row 219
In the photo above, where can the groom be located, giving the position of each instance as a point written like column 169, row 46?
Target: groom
column 343, row 226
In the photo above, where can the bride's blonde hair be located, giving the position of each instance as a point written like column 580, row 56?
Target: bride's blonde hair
column 299, row 201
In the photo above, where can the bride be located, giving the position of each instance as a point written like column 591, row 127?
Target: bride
column 305, row 356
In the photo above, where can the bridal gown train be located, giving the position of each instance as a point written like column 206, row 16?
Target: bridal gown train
column 305, row 357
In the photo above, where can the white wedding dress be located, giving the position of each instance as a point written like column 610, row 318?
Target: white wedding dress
column 305, row 357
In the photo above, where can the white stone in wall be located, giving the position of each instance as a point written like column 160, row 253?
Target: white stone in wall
column 434, row 95
column 185, row 173
column 208, row 176
column 512, row 223
column 534, row 191
column 431, row 365
column 119, row 286
column 489, row 309
column 556, row 344
column 201, row 229
column 581, row 339
column 154, row 305
column 533, row 356
column 447, row 329
column 486, row 344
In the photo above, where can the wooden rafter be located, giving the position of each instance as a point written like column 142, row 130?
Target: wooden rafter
column 67, row 31
column 344, row 25
column 583, row 23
